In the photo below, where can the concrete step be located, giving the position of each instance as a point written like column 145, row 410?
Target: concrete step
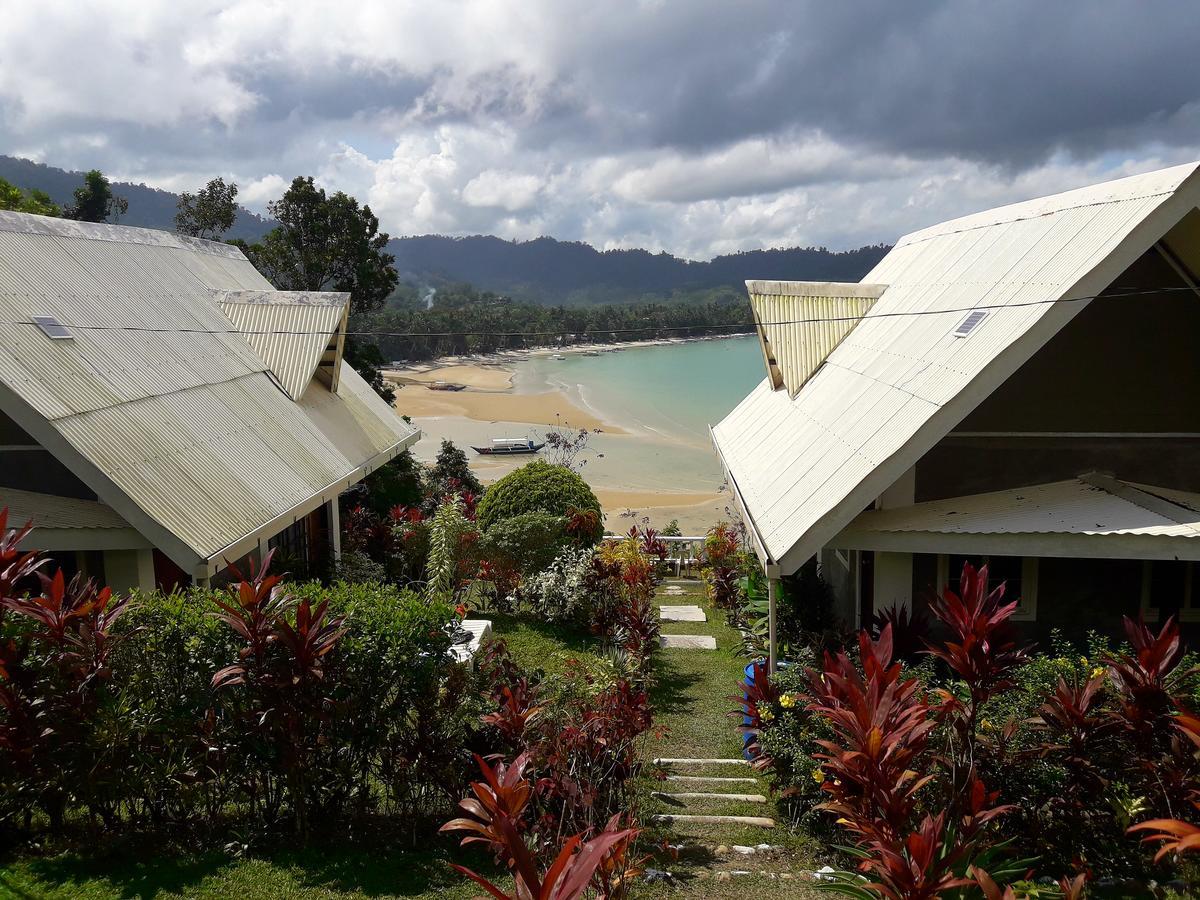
column 683, row 761
column 687, row 642
column 681, row 614
column 706, row 795
column 757, row 821
column 716, row 779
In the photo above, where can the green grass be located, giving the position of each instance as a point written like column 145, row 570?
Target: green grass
column 327, row 873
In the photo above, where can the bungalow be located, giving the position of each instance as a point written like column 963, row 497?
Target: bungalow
column 1017, row 386
column 164, row 411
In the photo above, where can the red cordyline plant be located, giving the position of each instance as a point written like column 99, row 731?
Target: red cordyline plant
column 1147, row 679
column 982, row 649
column 875, row 768
column 51, row 707
column 494, row 818
column 281, row 672
column 882, row 725
column 1176, row 836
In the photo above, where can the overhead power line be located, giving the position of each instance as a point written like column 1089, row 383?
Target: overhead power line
column 745, row 326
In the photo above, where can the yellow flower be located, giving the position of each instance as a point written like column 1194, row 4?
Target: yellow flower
column 787, row 701
column 1083, row 660
column 1098, row 671
column 766, row 715
column 985, row 724
column 817, row 775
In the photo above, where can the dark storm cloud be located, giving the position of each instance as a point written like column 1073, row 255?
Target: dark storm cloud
column 699, row 125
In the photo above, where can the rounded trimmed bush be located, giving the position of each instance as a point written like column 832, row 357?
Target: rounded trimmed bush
column 538, row 487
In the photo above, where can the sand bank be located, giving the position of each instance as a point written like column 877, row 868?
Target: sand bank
column 549, row 408
column 695, row 513
column 476, row 377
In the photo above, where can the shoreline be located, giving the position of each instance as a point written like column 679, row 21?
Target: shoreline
column 490, row 404
column 411, row 372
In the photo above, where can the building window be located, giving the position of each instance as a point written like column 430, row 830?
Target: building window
column 1018, row 574
column 1167, row 585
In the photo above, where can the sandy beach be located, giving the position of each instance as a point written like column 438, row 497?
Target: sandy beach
column 488, row 404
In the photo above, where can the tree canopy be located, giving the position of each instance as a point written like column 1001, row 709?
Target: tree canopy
column 15, row 199
column 326, row 244
column 95, row 200
column 208, row 213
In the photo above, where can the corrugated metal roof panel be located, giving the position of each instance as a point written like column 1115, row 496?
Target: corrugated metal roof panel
column 898, row 382
column 1063, row 507
column 50, row 511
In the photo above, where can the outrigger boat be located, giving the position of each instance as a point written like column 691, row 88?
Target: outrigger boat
column 509, row 447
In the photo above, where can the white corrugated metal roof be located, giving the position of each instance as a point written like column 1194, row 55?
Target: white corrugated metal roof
column 49, row 511
column 290, row 330
column 1076, row 506
column 801, row 322
column 160, row 406
column 897, row 384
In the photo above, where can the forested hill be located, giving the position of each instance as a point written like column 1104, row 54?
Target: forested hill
column 543, row 271
column 148, row 207
column 546, row 270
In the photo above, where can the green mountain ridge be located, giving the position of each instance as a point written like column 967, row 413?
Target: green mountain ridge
column 545, row 270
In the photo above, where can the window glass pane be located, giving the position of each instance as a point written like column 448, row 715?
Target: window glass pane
column 1004, row 570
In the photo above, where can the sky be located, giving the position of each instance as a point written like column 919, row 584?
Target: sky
column 691, row 126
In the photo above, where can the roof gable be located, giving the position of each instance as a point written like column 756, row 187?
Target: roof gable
column 900, row 381
column 294, row 332
column 801, row 322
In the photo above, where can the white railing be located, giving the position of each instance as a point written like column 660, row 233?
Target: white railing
column 683, row 551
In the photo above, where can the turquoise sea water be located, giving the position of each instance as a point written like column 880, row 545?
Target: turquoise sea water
column 664, row 397
column 673, row 390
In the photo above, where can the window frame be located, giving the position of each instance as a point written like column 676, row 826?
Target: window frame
column 1026, row 610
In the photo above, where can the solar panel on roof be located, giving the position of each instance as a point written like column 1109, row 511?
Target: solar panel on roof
column 52, row 328
column 967, row 325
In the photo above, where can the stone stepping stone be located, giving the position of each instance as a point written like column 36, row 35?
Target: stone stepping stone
column 718, row 779
column 674, row 591
column 687, row 642
column 705, row 795
column 757, row 821
column 679, row 761
column 682, row 614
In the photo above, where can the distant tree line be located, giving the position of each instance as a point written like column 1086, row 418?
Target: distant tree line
column 471, row 321
column 572, row 273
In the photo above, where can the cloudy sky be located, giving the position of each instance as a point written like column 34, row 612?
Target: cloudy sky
column 695, row 126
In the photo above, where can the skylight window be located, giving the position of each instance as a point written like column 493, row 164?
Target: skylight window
column 967, row 325
column 52, row 328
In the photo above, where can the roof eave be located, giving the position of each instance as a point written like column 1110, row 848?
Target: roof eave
column 235, row 550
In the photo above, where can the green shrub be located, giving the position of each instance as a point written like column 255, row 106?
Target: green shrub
column 539, row 487
column 387, row 727
column 528, row 542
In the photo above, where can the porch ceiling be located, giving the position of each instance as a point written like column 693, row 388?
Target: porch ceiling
column 1094, row 515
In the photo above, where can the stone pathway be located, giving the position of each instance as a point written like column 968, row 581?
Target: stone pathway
column 681, row 614
column 706, row 798
column 687, row 642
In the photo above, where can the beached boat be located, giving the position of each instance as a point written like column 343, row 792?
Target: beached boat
column 509, row 447
column 559, row 356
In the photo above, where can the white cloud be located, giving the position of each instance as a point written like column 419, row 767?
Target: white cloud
column 697, row 128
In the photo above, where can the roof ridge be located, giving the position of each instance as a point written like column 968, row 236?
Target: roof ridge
column 49, row 226
column 1123, row 490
